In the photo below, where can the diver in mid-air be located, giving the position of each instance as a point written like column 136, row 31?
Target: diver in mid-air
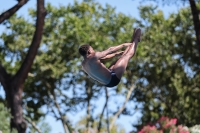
column 110, row 76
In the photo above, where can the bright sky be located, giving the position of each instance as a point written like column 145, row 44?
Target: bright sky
column 129, row 7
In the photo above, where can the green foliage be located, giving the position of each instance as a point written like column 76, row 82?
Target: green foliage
column 167, row 68
column 5, row 120
column 80, row 126
column 5, row 116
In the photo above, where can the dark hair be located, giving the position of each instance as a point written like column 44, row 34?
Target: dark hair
column 83, row 49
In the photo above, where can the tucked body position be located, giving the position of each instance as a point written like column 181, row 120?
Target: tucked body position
column 110, row 76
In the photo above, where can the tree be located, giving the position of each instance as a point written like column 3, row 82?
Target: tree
column 168, row 68
column 13, row 83
column 195, row 11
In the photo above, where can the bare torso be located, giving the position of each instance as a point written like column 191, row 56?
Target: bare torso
column 96, row 70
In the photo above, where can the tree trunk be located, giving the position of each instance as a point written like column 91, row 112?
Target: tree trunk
column 14, row 99
column 13, row 85
column 196, row 21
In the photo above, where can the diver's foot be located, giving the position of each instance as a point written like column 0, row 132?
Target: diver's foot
column 136, row 35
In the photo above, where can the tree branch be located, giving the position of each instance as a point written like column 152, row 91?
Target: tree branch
column 62, row 117
column 89, row 96
column 122, row 108
column 107, row 116
column 22, row 74
column 3, row 76
column 34, row 125
column 196, row 21
column 101, row 116
column 11, row 11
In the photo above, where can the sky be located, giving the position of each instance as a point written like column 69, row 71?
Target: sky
column 128, row 7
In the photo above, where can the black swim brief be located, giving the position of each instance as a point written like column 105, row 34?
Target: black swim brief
column 114, row 80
